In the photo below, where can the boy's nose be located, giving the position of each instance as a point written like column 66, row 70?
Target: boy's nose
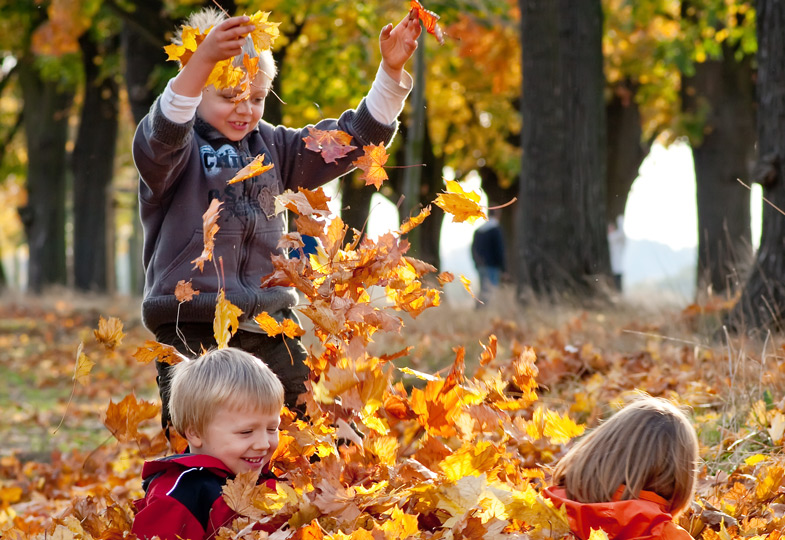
column 243, row 106
column 261, row 443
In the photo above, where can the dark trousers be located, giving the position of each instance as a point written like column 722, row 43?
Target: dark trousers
column 284, row 356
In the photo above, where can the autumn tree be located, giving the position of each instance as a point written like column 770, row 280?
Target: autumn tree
column 717, row 93
column 561, row 246
column 763, row 299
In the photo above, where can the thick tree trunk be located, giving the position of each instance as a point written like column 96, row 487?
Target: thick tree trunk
column 626, row 147
column 46, row 109
column 561, row 245
column 93, row 166
column 724, row 89
column 763, row 300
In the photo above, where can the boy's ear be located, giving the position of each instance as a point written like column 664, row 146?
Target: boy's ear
column 193, row 438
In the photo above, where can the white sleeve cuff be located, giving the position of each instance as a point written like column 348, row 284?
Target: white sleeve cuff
column 386, row 97
column 178, row 109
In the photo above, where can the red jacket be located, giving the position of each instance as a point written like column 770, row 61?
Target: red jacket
column 644, row 518
column 183, row 498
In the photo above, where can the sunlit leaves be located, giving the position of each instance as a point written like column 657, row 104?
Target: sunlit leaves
column 210, row 229
column 254, row 168
column 429, row 20
column 226, row 320
column 462, row 205
column 332, row 144
column 265, row 33
column 372, row 165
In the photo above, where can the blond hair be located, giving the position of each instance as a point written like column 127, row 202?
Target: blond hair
column 209, row 17
column 648, row 445
column 226, row 377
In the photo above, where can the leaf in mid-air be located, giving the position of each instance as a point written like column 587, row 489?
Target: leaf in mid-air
column 333, row 143
column 272, row 328
column 109, row 332
column 210, row 228
column 463, row 205
column 152, row 350
column 83, row 367
column 254, row 168
column 184, row 291
column 226, row 320
column 429, row 20
column 372, row 165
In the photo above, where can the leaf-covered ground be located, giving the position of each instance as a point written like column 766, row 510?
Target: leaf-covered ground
column 450, row 451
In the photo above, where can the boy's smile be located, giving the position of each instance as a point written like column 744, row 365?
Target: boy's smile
column 244, row 439
column 234, row 118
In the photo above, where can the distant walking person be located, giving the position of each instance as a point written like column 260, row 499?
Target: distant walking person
column 616, row 245
column 488, row 255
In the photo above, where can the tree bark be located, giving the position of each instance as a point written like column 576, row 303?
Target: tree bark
column 763, row 298
column 561, row 246
column 626, row 147
column 46, row 109
column 93, row 166
column 724, row 91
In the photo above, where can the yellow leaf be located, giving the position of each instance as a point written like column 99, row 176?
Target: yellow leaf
column 598, row 534
column 240, row 492
column 464, row 206
column 470, row 460
column 400, row 525
column 83, row 367
column 226, row 320
column 109, row 332
column 549, row 424
column 777, row 427
column 467, row 284
column 265, row 33
column 754, row 460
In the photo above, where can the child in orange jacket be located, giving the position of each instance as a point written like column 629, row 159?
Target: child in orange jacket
column 630, row 476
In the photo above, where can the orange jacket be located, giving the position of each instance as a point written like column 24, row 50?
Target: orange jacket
column 644, row 518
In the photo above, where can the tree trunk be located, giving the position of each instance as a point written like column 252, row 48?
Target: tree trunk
column 723, row 89
column 46, row 109
column 763, row 298
column 626, row 147
column 93, row 166
column 562, row 245
column 143, row 39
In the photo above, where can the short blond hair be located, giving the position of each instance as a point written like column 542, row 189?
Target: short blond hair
column 207, row 18
column 648, row 445
column 227, row 377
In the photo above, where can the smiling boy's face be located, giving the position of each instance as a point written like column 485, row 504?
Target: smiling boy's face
column 243, row 439
column 234, row 119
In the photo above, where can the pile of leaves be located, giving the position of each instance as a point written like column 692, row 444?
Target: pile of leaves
column 441, row 455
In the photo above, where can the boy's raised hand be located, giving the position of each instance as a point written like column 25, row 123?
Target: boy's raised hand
column 399, row 43
column 224, row 41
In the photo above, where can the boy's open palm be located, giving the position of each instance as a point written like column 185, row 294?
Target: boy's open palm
column 399, row 43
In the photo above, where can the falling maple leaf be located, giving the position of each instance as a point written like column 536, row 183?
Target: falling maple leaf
column 372, row 165
column 152, row 350
column 210, row 229
column 109, row 332
column 184, row 291
column 463, row 205
column 333, row 144
column 272, row 328
column 254, row 168
column 226, row 320
column 123, row 419
column 467, row 284
column 415, row 221
column 83, row 367
column 429, row 20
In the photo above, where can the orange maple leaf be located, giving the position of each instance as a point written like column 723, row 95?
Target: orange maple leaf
column 488, row 351
column 210, row 228
column 463, row 205
column 240, row 492
column 288, row 327
column 109, row 332
column 372, row 165
column 415, row 221
column 184, row 291
column 429, row 20
column 333, row 144
column 152, row 350
column 123, row 419
column 254, row 168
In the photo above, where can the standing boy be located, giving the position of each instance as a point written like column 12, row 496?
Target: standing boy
column 193, row 141
column 227, row 404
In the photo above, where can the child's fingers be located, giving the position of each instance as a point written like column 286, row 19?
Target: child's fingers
column 386, row 31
